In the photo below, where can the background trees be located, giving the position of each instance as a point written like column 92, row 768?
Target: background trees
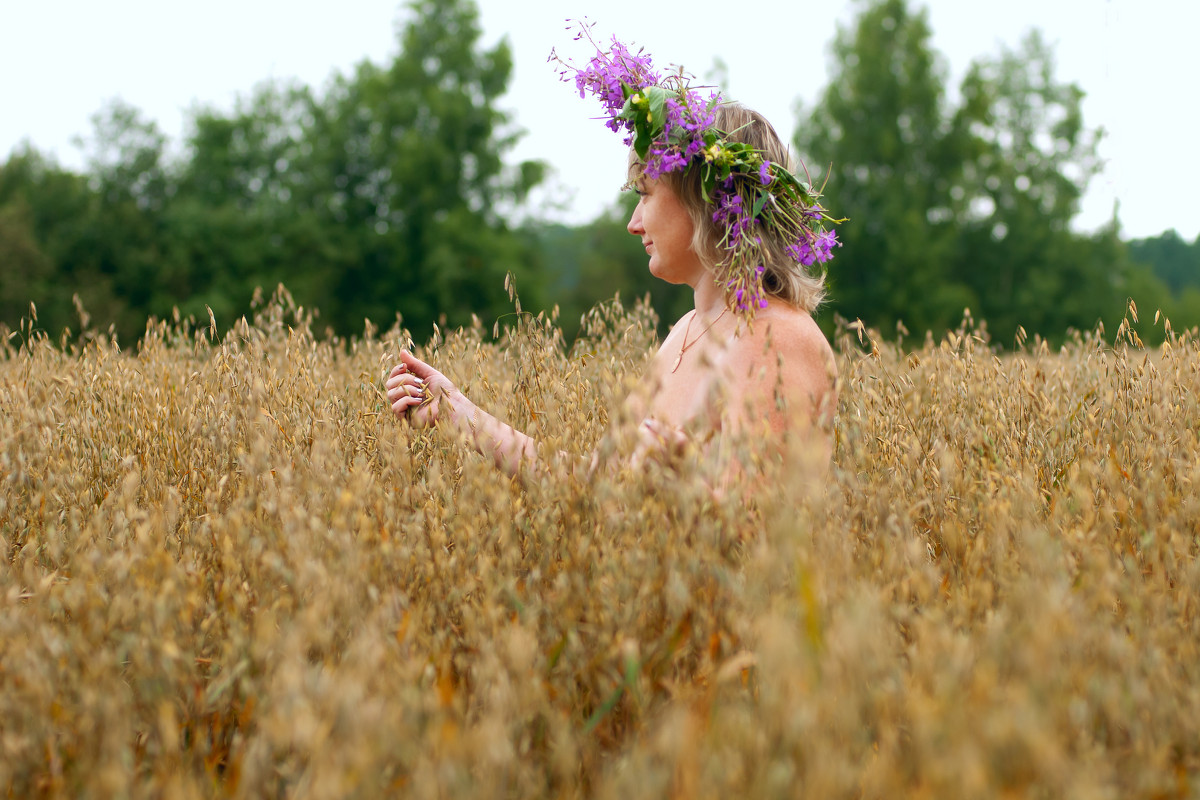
column 1175, row 267
column 882, row 126
column 966, row 204
column 409, row 160
column 389, row 191
column 386, row 191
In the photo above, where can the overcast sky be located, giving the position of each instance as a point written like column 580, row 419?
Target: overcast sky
column 1137, row 62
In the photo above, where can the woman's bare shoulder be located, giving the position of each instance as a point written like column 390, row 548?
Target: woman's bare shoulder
column 786, row 335
column 784, row 357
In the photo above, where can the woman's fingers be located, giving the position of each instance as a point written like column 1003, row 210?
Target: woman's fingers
column 406, row 391
column 663, row 437
column 408, row 387
column 404, row 382
column 416, row 410
column 403, row 403
column 416, row 366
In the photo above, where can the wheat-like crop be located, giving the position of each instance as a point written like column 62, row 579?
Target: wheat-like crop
column 229, row 572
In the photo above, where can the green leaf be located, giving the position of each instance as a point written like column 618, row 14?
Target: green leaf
column 627, row 111
column 708, row 183
column 658, row 102
column 759, row 202
column 641, row 144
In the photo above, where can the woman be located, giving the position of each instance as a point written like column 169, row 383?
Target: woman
column 721, row 210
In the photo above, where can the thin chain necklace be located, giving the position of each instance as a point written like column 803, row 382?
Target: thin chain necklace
column 685, row 347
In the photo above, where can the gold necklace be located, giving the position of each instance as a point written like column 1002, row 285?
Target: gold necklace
column 684, row 348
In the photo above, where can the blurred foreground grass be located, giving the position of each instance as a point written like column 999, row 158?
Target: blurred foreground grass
column 229, row 572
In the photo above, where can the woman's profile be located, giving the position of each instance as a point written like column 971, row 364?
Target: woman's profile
column 721, row 209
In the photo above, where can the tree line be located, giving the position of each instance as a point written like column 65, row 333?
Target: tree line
column 389, row 192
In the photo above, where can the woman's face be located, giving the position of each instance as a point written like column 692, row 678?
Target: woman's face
column 665, row 229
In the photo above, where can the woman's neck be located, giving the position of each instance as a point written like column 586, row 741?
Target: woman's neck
column 708, row 298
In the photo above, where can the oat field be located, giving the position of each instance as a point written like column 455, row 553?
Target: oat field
column 228, row 571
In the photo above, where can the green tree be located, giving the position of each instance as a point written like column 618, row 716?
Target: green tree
column 1175, row 262
column 24, row 262
column 881, row 124
column 246, row 212
column 1170, row 261
column 54, row 242
column 125, row 157
column 408, row 160
column 1029, row 160
column 387, row 192
column 959, row 207
column 132, row 184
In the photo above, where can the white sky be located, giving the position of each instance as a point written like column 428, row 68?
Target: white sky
column 61, row 60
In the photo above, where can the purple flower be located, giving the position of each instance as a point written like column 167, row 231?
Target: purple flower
column 733, row 215
column 802, row 252
column 608, row 74
column 826, row 241
column 671, row 161
column 728, row 205
column 814, row 247
column 764, row 173
column 675, row 113
column 699, row 116
column 662, row 160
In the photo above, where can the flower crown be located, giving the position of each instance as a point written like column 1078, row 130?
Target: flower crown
column 672, row 128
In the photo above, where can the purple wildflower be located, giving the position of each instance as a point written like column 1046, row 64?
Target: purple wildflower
column 802, row 252
column 728, row 205
column 764, row 173
column 665, row 161
column 826, row 241
column 608, row 75
column 733, row 215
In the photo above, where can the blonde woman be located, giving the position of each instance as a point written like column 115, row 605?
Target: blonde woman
column 722, row 210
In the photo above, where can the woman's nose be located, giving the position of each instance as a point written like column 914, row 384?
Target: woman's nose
column 635, row 221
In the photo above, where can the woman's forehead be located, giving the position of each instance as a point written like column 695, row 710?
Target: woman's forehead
column 635, row 177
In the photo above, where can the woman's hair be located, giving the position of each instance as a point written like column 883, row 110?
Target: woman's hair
column 783, row 277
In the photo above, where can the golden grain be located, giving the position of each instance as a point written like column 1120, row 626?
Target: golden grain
column 229, row 572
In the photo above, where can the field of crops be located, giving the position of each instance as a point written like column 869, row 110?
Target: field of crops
column 228, row 571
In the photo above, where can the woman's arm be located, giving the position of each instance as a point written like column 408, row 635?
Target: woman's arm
column 423, row 396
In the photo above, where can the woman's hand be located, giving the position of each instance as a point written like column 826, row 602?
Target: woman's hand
column 424, row 396
column 659, row 441
column 416, row 390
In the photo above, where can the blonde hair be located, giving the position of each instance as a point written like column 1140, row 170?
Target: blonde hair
column 783, row 277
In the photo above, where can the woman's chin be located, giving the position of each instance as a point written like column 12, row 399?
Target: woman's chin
column 673, row 277
column 664, row 274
